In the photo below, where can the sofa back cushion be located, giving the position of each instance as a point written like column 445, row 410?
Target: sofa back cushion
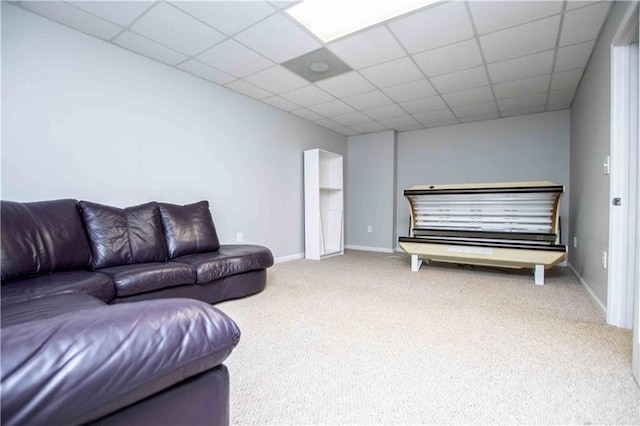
column 188, row 229
column 124, row 236
column 42, row 237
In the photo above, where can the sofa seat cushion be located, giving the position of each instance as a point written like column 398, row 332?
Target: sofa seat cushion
column 80, row 366
column 84, row 282
column 143, row 277
column 47, row 307
column 227, row 260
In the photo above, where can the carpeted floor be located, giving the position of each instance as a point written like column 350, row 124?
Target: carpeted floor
column 360, row 339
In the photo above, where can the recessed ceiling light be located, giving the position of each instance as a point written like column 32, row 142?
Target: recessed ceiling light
column 331, row 19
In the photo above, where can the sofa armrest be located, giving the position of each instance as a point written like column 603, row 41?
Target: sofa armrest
column 81, row 366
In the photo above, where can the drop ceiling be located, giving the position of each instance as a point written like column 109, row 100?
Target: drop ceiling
column 452, row 62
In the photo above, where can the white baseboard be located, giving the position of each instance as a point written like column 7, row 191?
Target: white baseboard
column 288, row 258
column 365, row 248
column 591, row 294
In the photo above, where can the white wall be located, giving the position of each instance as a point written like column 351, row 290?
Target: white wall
column 370, row 201
column 88, row 120
column 525, row 148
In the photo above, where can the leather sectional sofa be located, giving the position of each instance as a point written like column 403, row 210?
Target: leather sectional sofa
column 74, row 352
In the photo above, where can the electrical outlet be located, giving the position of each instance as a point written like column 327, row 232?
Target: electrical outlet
column 575, row 242
column 239, row 237
column 604, row 259
column 369, row 228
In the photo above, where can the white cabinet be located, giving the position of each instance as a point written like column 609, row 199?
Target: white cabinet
column 323, row 204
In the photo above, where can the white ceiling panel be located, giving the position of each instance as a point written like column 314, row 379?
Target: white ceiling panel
column 206, row 72
column 328, row 123
column 399, row 122
column 306, row 114
column 469, row 97
column 410, row 128
column 281, row 103
column 418, row 106
column 435, row 116
column 393, row 73
column 522, row 102
column 332, row 108
column 308, row 96
column 521, row 40
column 228, row 17
column 522, row 67
column 575, row 4
column 410, row 91
column 530, row 110
column 73, row 17
column 121, row 12
column 455, row 57
column 475, row 110
column 561, row 96
column 369, row 127
column 490, row 16
column 346, row 131
column 433, row 27
column 368, row 100
column 278, row 38
column 583, row 24
column 232, row 57
column 566, row 79
column 149, row 48
column 388, row 111
column 528, row 86
column 351, row 118
column 368, row 48
column 574, row 56
column 441, row 123
column 475, row 118
column 248, row 89
column 461, row 80
column 277, row 79
column 558, row 107
column 345, row 85
column 175, row 29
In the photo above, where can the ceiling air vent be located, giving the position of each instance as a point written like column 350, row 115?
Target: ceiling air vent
column 317, row 65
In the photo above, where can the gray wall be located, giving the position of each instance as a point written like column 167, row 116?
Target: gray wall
column 525, row 148
column 370, row 200
column 85, row 119
column 590, row 143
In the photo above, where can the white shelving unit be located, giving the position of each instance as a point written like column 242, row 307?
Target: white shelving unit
column 323, row 204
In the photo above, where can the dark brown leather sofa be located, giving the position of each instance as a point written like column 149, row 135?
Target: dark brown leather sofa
column 74, row 353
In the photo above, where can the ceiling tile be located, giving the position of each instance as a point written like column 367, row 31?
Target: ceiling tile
column 558, row 107
column 468, row 97
column 278, row 38
column 461, row 80
column 277, row 79
column 352, row 118
column 418, row 106
column 395, row 123
column 523, row 67
column 441, row 123
column 308, row 96
column 566, row 79
column 346, row 131
column 454, row 57
column 530, row 110
column 227, row 16
column 528, row 86
column 522, row 102
column 149, row 48
column 483, row 117
column 332, row 108
column 433, row 27
column 583, row 24
column 73, row 17
column 368, row 48
column 519, row 41
column 201, row 70
column 575, row 4
column 369, row 127
column 561, row 96
column 387, row 111
column 281, row 103
column 232, row 57
column 306, row 114
column 121, row 12
column 435, row 116
column 409, row 91
column 410, row 128
column 393, row 73
column 345, row 85
column 368, row 100
column 248, row 89
column 575, row 56
column 174, row 28
column 492, row 16
column 328, row 123
column 475, row 110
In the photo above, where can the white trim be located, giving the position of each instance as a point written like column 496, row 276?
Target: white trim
column 365, row 248
column 282, row 259
column 591, row 294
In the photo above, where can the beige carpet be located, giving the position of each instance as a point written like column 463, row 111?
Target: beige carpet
column 361, row 339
